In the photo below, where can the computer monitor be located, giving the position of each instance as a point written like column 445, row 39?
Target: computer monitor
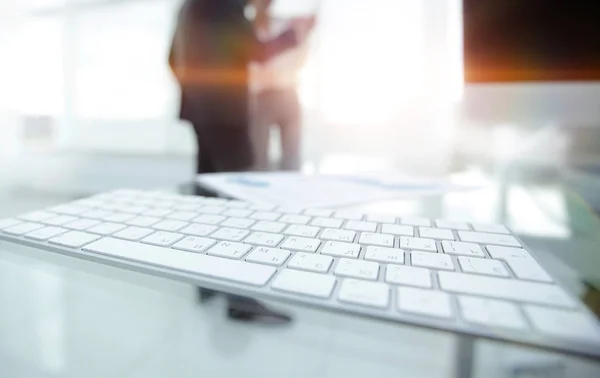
column 532, row 62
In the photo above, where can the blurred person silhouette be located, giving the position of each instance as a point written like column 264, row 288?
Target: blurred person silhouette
column 212, row 47
column 274, row 89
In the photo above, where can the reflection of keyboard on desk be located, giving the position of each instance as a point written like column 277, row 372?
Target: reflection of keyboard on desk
column 469, row 278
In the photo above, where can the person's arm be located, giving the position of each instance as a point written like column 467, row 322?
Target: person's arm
column 264, row 51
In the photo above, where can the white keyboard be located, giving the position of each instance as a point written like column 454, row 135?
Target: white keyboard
column 464, row 277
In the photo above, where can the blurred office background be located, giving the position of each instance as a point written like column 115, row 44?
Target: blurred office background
column 90, row 76
column 87, row 102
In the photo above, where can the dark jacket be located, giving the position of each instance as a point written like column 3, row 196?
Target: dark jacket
column 212, row 47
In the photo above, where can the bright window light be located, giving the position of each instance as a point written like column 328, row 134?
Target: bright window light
column 375, row 59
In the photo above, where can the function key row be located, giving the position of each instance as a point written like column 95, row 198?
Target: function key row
column 217, row 205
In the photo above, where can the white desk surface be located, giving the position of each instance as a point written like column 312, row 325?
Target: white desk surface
column 63, row 317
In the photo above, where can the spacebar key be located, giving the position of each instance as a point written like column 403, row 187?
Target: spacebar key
column 215, row 267
column 503, row 288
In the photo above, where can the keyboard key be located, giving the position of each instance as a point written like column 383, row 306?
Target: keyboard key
column 361, row 226
column 37, row 216
column 384, row 255
column 306, row 283
column 114, row 207
column 170, row 225
column 198, row 229
column 295, row 219
column 528, row 269
column 482, row 266
column 133, row 209
column 209, row 219
column 82, row 224
column 366, row 293
column 185, row 209
column 297, row 243
column 157, row 212
column 266, row 226
column 407, row 242
column 183, row 215
column 327, row 222
column 243, row 223
column 45, row 233
column 119, row 217
column 8, row 222
column 290, row 209
column 406, row 275
column 194, row 244
column 88, row 203
column 264, row 239
column 133, row 233
column 381, row 218
column 338, row 235
column 143, row 221
column 265, row 216
column 491, row 312
column 269, row 256
column 507, row 253
column 311, row 262
column 424, row 302
column 415, row 221
column 213, row 201
column 97, row 214
column 490, row 228
column 501, row 288
column 460, row 248
column 305, row 231
column 341, row 249
column 323, row 213
column 435, row 233
column 125, row 193
column 397, row 229
column 141, row 201
column 383, row 240
column 555, row 322
column 74, row 239
column 70, row 209
column 262, row 207
column 107, row 228
column 210, row 266
column 23, row 228
column 357, row 269
column 431, row 260
column 60, row 220
column 163, row 238
column 237, row 213
column 231, row 234
column 235, row 204
column 521, row 263
column 229, row 250
column 486, row 238
column 348, row 215
column 454, row 225
column 164, row 204
column 211, row 209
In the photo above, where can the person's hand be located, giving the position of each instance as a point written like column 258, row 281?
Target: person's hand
column 302, row 26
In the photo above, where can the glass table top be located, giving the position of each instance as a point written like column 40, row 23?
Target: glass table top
column 64, row 317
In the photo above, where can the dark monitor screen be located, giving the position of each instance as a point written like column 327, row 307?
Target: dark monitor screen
column 531, row 40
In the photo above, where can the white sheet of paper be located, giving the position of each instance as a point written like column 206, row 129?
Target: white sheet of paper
column 296, row 189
